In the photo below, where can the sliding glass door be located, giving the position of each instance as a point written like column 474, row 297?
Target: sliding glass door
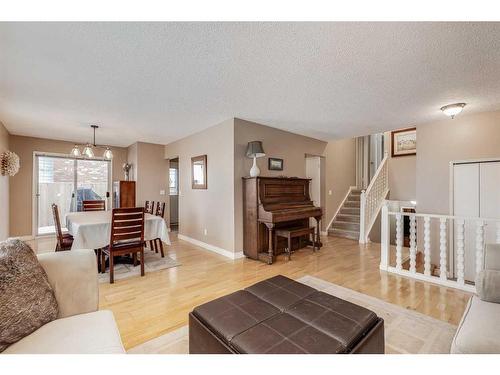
column 67, row 182
column 92, row 181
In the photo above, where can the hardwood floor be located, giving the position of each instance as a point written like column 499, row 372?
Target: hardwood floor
column 149, row 306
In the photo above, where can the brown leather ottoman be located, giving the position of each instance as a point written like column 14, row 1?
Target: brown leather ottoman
column 280, row 315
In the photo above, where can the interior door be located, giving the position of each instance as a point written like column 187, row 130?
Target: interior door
column 466, row 203
column 313, row 171
column 489, row 193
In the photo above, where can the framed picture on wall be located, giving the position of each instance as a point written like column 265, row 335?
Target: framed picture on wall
column 199, row 172
column 275, row 164
column 404, row 142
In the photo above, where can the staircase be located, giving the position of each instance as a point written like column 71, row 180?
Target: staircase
column 346, row 222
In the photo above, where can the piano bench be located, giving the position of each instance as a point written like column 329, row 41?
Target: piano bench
column 290, row 233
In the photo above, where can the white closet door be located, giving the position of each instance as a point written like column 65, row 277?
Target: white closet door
column 466, row 203
column 489, row 193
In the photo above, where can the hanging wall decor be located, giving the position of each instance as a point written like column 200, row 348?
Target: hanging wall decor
column 9, row 163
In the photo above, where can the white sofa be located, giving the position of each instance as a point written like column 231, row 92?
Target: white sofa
column 479, row 329
column 80, row 328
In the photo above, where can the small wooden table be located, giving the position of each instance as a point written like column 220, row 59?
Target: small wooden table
column 290, row 233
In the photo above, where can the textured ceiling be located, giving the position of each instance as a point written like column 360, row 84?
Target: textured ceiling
column 158, row 82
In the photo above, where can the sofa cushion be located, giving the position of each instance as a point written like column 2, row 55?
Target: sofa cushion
column 27, row 300
column 91, row 333
column 478, row 332
column 280, row 291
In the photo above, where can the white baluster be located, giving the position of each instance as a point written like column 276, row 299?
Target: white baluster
column 384, row 237
column 362, row 216
column 442, row 248
column 427, row 246
column 460, row 252
column 399, row 242
column 479, row 245
column 498, row 232
column 413, row 245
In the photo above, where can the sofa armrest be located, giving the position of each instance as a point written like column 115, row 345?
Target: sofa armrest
column 488, row 286
column 492, row 257
column 73, row 276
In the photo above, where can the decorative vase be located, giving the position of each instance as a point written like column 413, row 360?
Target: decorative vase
column 254, row 171
column 126, row 170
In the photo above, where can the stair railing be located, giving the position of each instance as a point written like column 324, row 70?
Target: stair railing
column 439, row 235
column 372, row 199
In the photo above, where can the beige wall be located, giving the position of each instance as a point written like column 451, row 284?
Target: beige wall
column 211, row 209
column 402, row 173
column 4, row 188
column 132, row 159
column 292, row 148
column 22, row 183
column 466, row 137
column 340, row 173
column 151, row 173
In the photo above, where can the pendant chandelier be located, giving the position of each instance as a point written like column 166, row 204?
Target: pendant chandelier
column 88, row 149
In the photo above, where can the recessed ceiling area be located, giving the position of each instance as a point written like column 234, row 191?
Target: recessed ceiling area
column 159, row 82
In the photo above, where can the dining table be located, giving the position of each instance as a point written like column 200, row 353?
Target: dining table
column 92, row 229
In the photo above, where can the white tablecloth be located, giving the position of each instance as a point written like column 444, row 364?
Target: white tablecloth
column 92, row 229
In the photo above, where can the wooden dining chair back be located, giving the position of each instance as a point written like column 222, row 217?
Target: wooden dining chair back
column 127, row 237
column 160, row 209
column 149, row 207
column 156, row 243
column 97, row 205
column 64, row 241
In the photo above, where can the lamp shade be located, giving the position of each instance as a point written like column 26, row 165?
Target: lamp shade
column 254, row 149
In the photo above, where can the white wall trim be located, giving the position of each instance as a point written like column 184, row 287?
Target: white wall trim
column 351, row 188
column 215, row 249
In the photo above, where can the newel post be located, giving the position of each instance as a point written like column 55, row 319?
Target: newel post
column 362, row 216
column 385, row 237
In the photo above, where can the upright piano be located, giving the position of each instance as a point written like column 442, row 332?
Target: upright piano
column 275, row 202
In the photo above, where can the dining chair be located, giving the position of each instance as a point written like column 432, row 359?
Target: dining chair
column 149, row 207
column 160, row 209
column 97, row 205
column 127, row 237
column 64, row 240
column 157, row 243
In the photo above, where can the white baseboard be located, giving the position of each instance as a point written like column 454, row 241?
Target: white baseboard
column 215, row 249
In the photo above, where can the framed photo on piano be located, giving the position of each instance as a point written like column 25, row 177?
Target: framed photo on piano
column 275, row 164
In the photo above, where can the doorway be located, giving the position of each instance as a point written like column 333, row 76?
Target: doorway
column 315, row 171
column 66, row 182
column 174, row 193
column 369, row 155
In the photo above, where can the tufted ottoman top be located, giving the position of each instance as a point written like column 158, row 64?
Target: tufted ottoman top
column 280, row 315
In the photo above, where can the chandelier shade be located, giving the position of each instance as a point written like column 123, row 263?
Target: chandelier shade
column 88, row 149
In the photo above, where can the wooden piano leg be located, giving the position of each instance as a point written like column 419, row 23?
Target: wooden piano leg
column 318, row 234
column 270, row 251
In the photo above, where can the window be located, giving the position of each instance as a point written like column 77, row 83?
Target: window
column 174, row 181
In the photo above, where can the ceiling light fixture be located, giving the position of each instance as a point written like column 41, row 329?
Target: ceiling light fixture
column 88, row 149
column 453, row 109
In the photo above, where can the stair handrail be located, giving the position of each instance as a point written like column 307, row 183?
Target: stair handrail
column 372, row 199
